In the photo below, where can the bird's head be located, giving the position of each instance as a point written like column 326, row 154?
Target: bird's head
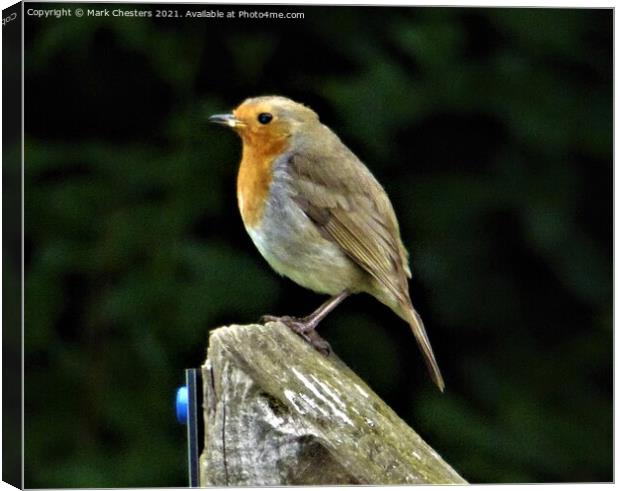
column 267, row 119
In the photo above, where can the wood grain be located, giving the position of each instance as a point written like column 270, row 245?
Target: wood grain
column 279, row 413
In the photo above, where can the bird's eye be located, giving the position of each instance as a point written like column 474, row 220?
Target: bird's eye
column 264, row 118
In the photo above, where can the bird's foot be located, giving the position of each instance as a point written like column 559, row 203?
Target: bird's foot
column 300, row 325
column 305, row 327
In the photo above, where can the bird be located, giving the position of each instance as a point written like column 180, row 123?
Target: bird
column 318, row 216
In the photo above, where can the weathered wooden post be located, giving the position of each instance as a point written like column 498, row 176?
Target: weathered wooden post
column 277, row 412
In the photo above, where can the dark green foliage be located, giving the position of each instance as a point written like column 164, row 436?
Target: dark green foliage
column 491, row 129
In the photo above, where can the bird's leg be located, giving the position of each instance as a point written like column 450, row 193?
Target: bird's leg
column 306, row 326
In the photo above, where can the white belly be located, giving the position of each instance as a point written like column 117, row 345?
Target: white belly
column 295, row 248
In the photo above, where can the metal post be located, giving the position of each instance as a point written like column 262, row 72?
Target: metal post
column 188, row 409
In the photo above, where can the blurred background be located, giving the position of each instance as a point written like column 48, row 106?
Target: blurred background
column 491, row 130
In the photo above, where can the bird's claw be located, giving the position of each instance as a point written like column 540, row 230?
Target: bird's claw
column 317, row 342
column 299, row 325
column 272, row 318
column 304, row 328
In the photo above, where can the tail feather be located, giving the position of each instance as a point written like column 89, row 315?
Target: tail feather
column 417, row 326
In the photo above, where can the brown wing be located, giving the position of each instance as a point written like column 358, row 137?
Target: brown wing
column 348, row 204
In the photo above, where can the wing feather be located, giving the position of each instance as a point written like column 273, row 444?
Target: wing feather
column 349, row 206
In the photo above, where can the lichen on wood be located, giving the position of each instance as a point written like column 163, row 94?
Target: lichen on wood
column 279, row 413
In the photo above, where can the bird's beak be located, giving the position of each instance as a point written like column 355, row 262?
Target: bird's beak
column 225, row 119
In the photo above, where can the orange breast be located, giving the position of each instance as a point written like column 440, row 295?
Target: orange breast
column 254, row 178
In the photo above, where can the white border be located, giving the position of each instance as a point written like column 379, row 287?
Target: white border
column 480, row 3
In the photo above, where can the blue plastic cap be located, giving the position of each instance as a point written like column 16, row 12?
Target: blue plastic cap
column 181, row 404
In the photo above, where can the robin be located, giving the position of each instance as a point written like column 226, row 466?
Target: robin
column 318, row 216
